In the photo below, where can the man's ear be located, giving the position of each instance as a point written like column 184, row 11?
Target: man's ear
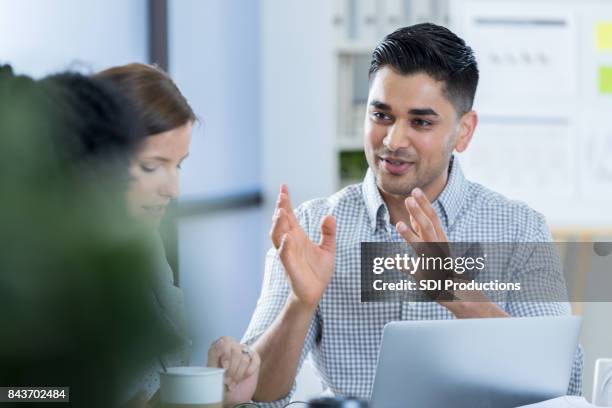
column 467, row 126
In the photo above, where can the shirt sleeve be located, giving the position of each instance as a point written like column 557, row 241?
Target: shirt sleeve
column 543, row 289
column 272, row 299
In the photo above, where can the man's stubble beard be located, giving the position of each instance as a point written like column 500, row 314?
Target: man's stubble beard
column 419, row 178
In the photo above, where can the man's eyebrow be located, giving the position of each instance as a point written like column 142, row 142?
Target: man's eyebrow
column 423, row 112
column 380, row 105
column 416, row 111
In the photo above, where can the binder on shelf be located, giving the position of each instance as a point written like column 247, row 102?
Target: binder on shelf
column 340, row 20
column 439, row 11
column 358, row 112
column 367, row 19
column 345, row 94
column 420, row 11
column 392, row 17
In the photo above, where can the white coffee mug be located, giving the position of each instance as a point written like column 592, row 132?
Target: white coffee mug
column 602, row 385
column 192, row 387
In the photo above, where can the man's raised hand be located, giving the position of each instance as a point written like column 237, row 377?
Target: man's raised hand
column 309, row 266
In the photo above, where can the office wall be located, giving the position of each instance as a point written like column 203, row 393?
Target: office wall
column 298, row 99
column 298, row 113
column 40, row 37
column 214, row 57
column 221, row 261
column 259, row 75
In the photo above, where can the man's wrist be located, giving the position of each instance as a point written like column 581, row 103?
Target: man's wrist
column 296, row 303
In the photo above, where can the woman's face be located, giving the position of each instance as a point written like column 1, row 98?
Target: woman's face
column 154, row 172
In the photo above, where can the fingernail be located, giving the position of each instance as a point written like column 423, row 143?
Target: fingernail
column 417, row 192
column 401, row 226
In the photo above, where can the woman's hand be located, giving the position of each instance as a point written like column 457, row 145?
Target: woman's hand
column 241, row 364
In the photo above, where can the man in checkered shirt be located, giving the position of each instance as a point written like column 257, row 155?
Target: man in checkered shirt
column 423, row 80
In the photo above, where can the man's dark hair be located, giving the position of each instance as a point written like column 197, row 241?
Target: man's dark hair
column 433, row 50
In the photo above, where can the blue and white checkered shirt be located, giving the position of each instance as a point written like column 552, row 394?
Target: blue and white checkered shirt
column 345, row 334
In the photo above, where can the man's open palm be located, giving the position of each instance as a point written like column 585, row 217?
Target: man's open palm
column 309, row 266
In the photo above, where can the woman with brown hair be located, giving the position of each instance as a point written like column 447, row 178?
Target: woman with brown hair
column 168, row 120
column 154, row 182
column 66, row 141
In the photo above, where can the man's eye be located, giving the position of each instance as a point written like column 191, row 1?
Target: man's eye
column 380, row 116
column 421, row 123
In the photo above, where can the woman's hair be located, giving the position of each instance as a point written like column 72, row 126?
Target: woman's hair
column 159, row 103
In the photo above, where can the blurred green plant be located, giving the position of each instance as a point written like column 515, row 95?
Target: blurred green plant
column 353, row 166
column 76, row 307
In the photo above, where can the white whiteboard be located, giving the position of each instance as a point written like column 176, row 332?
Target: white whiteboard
column 545, row 131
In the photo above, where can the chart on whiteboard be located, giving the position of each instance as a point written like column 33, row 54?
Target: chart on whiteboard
column 530, row 156
column 597, row 161
column 544, row 101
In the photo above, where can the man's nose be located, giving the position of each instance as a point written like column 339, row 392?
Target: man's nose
column 397, row 137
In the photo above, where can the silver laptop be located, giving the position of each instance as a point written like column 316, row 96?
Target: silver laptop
column 474, row 363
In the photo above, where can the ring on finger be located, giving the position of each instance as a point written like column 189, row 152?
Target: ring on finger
column 246, row 350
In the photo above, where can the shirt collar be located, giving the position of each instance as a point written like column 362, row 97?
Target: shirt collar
column 450, row 200
column 373, row 200
column 452, row 197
